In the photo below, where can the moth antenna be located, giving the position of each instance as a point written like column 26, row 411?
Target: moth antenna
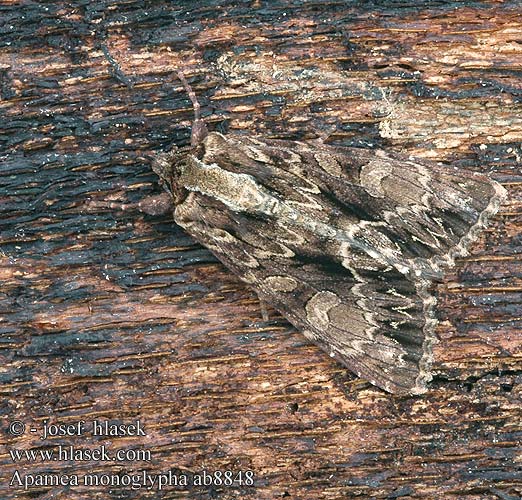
column 192, row 96
column 199, row 127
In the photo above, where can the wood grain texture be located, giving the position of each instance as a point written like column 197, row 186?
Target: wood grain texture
column 107, row 313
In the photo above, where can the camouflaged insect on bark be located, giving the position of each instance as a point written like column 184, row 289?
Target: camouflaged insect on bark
column 344, row 242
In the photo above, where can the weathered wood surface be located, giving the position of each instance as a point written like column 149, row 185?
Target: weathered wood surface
column 107, row 313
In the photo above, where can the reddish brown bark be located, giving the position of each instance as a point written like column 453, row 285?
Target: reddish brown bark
column 108, row 313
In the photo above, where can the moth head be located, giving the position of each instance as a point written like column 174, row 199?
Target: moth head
column 168, row 167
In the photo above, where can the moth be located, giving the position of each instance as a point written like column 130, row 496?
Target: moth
column 344, row 242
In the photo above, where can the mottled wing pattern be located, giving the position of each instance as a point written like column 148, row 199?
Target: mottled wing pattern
column 413, row 213
column 342, row 241
column 362, row 312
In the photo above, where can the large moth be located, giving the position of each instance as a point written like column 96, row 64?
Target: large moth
column 344, row 242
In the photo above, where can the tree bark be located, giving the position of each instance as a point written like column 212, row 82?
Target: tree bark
column 112, row 314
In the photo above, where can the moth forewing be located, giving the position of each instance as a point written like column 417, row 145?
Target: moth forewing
column 344, row 242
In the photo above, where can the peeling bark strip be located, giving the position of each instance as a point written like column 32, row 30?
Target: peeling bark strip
column 119, row 315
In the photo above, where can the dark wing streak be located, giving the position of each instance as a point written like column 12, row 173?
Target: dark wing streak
column 276, row 265
column 322, row 267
